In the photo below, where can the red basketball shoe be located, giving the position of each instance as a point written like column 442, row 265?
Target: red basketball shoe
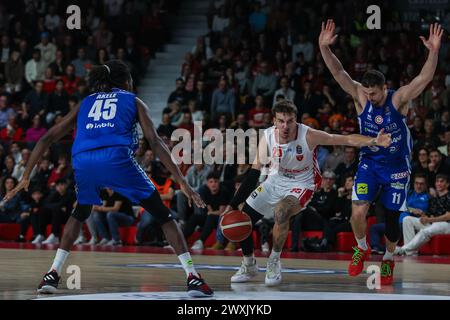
column 356, row 266
column 387, row 272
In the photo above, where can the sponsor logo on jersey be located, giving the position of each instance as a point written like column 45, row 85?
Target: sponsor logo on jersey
column 400, row 175
column 398, row 186
column 299, row 155
column 259, row 189
column 362, row 188
column 365, row 166
column 391, row 127
column 378, row 119
column 90, row 126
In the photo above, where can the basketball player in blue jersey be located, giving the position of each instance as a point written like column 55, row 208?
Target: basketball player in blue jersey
column 389, row 168
column 102, row 156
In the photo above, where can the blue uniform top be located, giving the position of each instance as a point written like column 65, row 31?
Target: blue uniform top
column 106, row 119
column 375, row 118
column 418, row 201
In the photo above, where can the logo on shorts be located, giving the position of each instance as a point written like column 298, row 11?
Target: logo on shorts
column 400, row 175
column 254, row 194
column 378, row 119
column 296, row 190
column 259, row 189
column 398, row 186
column 362, row 188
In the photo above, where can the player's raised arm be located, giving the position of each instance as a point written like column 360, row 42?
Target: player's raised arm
column 53, row 135
column 327, row 38
column 159, row 147
column 317, row 137
column 419, row 83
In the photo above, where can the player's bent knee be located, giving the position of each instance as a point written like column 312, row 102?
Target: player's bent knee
column 157, row 209
column 82, row 212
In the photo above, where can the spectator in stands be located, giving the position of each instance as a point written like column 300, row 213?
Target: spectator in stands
column 40, row 178
column 59, row 172
column 305, row 47
column 52, row 19
column 223, row 101
column 35, row 68
column 265, row 82
column 49, row 82
column 81, row 63
column 187, row 123
column 35, row 101
column 436, row 166
column 57, row 208
column 19, row 168
column 284, row 90
column 115, row 212
column 12, row 132
column 322, row 206
column 257, row 19
column 256, row 114
column 11, row 211
column 217, row 66
column 196, row 177
column 349, row 165
column 14, row 72
column 32, row 216
column 5, row 111
column 70, row 79
column 35, row 132
column 417, row 204
column 58, row 102
column 179, row 94
column 48, row 49
column 201, row 96
column 307, row 99
column 419, row 230
column 9, row 165
column 59, row 65
column 420, row 165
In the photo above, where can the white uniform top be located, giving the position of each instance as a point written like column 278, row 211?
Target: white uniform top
column 293, row 163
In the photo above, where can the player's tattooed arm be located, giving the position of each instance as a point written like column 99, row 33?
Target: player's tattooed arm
column 53, row 135
column 420, row 82
column 159, row 147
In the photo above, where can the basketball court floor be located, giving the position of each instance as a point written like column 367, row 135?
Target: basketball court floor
column 145, row 273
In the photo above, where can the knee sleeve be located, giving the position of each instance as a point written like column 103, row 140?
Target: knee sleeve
column 82, row 212
column 392, row 225
column 254, row 215
column 156, row 208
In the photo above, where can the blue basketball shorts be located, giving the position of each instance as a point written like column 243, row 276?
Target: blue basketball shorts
column 392, row 179
column 110, row 167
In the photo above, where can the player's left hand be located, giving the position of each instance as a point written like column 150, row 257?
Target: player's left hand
column 425, row 220
column 23, row 184
column 434, row 39
column 192, row 195
column 383, row 139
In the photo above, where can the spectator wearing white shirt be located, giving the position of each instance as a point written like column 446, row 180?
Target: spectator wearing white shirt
column 48, row 49
column 220, row 21
column 303, row 46
column 285, row 91
column 35, row 68
column 52, row 20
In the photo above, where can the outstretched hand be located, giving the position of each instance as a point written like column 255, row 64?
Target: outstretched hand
column 192, row 196
column 327, row 36
column 23, row 184
column 383, row 139
column 433, row 43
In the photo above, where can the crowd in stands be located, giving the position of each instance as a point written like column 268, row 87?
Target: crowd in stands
column 255, row 54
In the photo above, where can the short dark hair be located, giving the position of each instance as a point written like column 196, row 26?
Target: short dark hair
column 284, row 106
column 373, row 78
column 213, row 175
column 61, row 181
column 442, row 176
column 420, row 175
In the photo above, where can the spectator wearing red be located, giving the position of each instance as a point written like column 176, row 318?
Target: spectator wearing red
column 49, row 82
column 12, row 132
column 256, row 114
column 187, row 123
column 70, row 80
column 59, row 172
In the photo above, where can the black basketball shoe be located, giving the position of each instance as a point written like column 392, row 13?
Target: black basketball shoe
column 197, row 287
column 49, row 283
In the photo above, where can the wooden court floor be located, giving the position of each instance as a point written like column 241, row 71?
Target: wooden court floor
column 158, row 276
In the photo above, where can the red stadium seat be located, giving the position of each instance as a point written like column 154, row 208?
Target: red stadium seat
column 437, row 245
column 345, row 241
column 127, row 235
column 9, row 231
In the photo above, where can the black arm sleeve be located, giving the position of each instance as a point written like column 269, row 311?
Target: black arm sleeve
column 246, row 188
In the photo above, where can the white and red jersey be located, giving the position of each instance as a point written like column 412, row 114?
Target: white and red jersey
column 292, row 163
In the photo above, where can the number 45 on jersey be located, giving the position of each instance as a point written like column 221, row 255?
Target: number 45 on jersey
column 103, row 109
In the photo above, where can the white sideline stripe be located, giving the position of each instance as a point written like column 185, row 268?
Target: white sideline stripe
column 238, row 224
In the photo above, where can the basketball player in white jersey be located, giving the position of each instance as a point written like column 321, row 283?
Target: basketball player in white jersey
column 292, row 179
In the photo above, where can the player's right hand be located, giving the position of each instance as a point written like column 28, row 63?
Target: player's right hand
column 327, row 36
column 23, row 184
column 227, row 209
column 383, row 139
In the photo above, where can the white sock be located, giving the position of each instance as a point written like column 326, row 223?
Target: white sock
column 362, row 243
column 188, row 265
column 60, row 258
column 388, row 255
column 275, row 255
column 249, row 260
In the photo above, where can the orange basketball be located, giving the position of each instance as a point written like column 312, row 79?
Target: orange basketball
column 236, row 226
